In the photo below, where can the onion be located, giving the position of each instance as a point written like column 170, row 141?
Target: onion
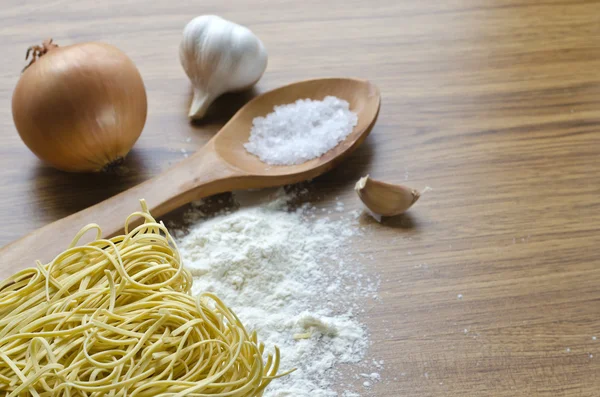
column 81, row 107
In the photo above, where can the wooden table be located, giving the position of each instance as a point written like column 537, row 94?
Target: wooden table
column 493, row 104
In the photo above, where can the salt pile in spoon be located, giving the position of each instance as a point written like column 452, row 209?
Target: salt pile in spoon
column 301, row 131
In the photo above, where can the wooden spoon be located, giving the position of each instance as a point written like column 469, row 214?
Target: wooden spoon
column 221, row 165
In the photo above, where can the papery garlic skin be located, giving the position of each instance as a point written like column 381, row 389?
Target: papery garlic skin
column 219, row 56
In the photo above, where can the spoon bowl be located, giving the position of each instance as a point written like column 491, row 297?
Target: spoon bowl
column 222, row 165
column 364, row 100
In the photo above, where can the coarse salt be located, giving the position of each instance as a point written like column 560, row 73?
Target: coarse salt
column 301, row 131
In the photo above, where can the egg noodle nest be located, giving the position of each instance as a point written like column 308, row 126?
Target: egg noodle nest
column 116, row 317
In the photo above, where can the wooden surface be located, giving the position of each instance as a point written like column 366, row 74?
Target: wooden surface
column 493, row 104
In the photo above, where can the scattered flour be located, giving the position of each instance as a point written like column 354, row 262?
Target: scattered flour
column 283, row 272
column 301, row 131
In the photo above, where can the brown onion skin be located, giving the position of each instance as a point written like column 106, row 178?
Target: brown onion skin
column 80, row 108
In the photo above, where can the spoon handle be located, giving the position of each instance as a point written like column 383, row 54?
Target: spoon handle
column 201, row 175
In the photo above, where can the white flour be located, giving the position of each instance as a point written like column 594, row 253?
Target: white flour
column 284, row 274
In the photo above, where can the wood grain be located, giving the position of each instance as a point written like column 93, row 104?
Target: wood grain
column 495, row 105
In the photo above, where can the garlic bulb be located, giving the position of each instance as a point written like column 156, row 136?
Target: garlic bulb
column 219, row 56
column 385, row 199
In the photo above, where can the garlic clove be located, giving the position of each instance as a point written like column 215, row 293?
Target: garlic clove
column 385, row 199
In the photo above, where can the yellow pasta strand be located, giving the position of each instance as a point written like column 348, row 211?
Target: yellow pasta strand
column 116, row 318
